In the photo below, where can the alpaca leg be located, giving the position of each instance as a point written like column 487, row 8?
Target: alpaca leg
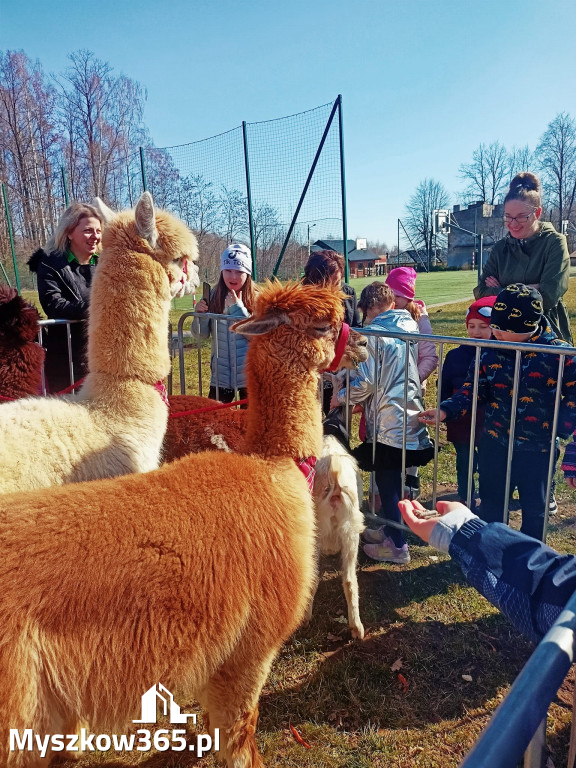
column 26, row 702
column 231, row 700
column 350, row 582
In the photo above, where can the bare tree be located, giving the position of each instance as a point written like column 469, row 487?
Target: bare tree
column 233, row 214
column 556, row 153
column 101, row 117
column 486, row 173
column 27, row 143
column 267, row 237
column 429, row 196
column 520, row 159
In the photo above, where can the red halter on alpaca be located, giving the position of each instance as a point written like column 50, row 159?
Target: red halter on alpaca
column 340, row 347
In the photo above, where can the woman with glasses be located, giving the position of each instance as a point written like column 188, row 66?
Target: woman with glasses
column 532, row 252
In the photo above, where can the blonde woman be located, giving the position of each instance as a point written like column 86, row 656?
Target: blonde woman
column 65, row 268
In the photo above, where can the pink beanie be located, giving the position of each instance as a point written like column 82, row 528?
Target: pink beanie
column 402, row 281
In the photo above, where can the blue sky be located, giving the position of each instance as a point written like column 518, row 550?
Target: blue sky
column 423, row 83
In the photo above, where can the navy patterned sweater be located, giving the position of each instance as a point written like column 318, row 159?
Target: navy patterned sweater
column 538, row 382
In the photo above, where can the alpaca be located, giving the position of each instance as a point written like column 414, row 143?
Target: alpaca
column 213, row 428
column 21, row 358
column 337, row 489
column 111, row 586
column 117, row 422
column 337, row 493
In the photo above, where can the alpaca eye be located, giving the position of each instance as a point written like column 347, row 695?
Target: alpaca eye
column 322, row 329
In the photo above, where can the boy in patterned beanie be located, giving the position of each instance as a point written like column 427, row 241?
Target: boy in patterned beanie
column 517, row 313
column 517, row 317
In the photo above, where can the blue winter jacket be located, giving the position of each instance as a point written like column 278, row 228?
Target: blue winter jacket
column 228, row 365
column 527, row 580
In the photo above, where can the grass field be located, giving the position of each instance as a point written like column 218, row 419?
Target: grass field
column 434, row 287
column 422, row 621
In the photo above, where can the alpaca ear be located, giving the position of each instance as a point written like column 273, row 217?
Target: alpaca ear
column 258, row 326
column 106, row 214
column 145, row 219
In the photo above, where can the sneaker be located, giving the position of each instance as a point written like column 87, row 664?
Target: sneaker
column 412, row 487
column 387, row 552
column 553, row 505
column 373, row 535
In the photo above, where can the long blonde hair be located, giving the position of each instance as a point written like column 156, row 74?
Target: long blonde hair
column 68, row 221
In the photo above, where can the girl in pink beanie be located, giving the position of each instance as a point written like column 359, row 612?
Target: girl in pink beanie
column 402, row 281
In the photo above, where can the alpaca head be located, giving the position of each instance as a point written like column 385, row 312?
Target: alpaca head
column 304, row 319
column 18, row 319
column 355, row 351
column 157, row 233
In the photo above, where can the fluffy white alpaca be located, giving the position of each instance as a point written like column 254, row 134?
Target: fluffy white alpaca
column 337, row 494
column 116, row 424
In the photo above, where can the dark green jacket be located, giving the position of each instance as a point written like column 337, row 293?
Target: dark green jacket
column 540, row 260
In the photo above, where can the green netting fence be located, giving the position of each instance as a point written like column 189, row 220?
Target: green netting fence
column 277, row 185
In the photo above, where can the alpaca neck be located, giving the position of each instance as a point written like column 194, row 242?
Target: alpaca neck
column 284, row 415
column 129, row 314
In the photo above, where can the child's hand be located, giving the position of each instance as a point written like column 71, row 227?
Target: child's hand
column 334, row 402
column 432, row 416
column 201, row 306
column 231, row 299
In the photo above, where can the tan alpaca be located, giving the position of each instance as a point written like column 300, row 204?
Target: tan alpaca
column 191, row 576
column 337, row 488
column 116, row 424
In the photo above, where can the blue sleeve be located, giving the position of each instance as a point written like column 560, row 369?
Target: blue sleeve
column 447, row 388
column 527, row 580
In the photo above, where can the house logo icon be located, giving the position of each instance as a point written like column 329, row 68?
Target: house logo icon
column 150, row 700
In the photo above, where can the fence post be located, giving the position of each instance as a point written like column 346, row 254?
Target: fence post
column 64, row 187
column 143, row 169
column 10, row 234
column 343, row 189
column 249, row 198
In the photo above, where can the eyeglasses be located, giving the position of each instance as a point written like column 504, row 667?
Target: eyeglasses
column 521, row 219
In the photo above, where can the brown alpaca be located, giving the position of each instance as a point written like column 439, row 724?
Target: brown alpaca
column 111, row 586
column 21, row 357
column 337, row 488
column 224, row 429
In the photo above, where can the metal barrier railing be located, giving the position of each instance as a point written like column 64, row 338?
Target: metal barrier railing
column 47, row 324
column 518, row 726
column 441, row 342
column 215, row 319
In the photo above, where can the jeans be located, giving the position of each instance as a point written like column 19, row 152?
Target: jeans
column 391, row 490
column 462, row 464
column 529, row 474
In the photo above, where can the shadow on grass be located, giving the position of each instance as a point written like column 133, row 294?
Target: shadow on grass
column 351, row 684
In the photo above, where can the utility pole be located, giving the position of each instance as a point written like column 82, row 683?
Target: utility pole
column 310, row 226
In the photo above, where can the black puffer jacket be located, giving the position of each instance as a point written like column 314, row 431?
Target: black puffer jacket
column 351, row 313
column 64, row 292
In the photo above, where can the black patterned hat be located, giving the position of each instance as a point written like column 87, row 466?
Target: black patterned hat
column 518, row 309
